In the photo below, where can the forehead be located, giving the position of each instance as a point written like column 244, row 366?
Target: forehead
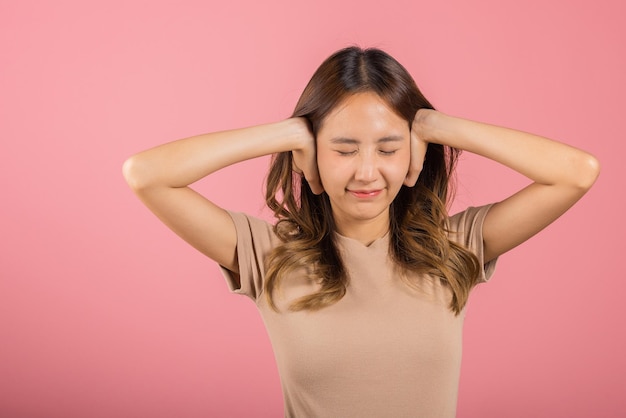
column 364, row 114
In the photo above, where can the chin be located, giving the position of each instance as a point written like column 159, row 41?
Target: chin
column 368, row 215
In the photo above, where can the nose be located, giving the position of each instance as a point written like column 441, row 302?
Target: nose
column 366, row 168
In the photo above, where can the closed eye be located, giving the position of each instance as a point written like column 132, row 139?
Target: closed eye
column 388, row 152
column 346, row 153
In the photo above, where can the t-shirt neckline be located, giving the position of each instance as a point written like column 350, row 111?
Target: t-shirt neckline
column 353, row 242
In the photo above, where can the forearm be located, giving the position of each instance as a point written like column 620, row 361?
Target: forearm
column 542, row 160
column 182, row 162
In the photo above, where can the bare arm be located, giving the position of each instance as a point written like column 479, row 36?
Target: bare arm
column 160, row 177
column 560, row 174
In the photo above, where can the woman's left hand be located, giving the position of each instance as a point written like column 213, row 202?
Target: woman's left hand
column 418, row 147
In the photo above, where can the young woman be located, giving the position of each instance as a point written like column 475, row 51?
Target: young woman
column 363, row 280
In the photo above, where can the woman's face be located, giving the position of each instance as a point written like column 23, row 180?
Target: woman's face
column 363, row 155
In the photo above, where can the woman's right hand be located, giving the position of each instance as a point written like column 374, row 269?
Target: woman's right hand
column 305, row 158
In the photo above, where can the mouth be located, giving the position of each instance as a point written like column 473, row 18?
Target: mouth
column 364, row 194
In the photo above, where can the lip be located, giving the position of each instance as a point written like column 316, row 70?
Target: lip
column 365, row 194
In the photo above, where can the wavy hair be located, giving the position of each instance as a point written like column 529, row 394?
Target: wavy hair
column 418, row 216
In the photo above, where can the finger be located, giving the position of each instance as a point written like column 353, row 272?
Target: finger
column 313, row 179
column 294, row 166
column 418, row 152
column 316, row 186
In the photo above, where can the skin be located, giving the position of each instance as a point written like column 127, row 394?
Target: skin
column 363, row 157
column 559, row 174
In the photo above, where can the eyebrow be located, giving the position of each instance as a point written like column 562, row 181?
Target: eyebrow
column 344, row 140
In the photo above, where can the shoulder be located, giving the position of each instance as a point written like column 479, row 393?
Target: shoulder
column 241, row 219
column 252, row 230
column 466, row 225
column 466, row 229
column 255, row 240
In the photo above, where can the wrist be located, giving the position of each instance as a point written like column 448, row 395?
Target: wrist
column 299, row 133
column 424, row 124
column 431, row 125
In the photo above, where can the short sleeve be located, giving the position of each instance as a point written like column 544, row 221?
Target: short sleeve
column 255, row 239
column 466, row 228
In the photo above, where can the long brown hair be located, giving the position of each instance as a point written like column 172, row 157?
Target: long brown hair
column 418, row 214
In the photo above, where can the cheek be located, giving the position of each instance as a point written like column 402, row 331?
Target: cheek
column 395, row 171
column 402, row 164
column 327, row 167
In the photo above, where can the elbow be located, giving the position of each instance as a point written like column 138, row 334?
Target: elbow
column 588, row 170
column 134, row 173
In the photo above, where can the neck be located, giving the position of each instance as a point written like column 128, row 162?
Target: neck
column 365, row 231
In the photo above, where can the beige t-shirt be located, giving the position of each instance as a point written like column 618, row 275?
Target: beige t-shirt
column 384, row 350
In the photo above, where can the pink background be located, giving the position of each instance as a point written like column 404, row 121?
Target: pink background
column 105, row 313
